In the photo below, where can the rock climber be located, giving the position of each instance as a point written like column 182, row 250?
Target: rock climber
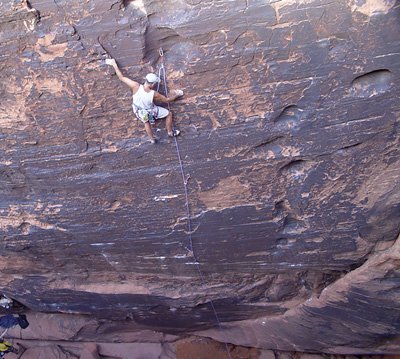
column 143, row 97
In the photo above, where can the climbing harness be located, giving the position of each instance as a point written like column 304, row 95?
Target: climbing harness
column 145, row 115
column 185, row 180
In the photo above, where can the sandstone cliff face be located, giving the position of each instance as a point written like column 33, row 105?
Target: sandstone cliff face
column 290, row 134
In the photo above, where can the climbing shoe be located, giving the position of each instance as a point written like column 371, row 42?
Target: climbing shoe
column 174, row 133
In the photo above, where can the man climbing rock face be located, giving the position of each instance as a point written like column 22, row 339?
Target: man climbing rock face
column 143, row 97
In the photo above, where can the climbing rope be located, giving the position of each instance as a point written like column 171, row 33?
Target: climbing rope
column 185, row 179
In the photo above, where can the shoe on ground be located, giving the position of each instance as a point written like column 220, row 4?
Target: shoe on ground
column 153, row 140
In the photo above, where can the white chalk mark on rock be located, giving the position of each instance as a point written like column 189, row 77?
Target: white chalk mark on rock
column 102, row 244
column 164, row 198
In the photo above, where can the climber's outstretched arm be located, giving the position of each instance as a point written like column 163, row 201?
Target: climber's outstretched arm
column 132, row 84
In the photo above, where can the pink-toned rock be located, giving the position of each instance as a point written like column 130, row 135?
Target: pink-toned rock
column 51, row 326
column 50, row 352
column 131, row 350
column 267, row 354
column 89, row 351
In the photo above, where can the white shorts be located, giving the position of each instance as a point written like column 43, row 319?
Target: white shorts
column 161, row 112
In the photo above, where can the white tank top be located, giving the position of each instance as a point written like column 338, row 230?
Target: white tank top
column 143, row 100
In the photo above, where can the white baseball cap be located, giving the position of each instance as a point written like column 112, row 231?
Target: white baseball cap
column 152, row 78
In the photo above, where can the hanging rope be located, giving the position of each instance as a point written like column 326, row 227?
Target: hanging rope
column 185, row 179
